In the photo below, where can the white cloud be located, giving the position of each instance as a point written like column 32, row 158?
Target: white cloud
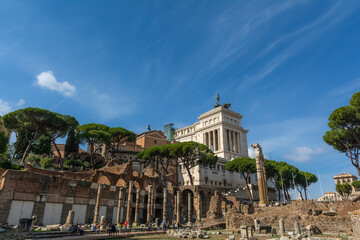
column 4, row 107
column 303, row 154
column 48, row 80
column 251, row 152
column 21, row 102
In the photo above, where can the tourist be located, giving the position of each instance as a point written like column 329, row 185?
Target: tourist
column 73, row 230
column 98, row 228
column 164, row 224
column 107, row 228
column 112, row 229
column 121, row 226
column 93, row 228
column 125, row 225
column 80, row 229
column 116, row 229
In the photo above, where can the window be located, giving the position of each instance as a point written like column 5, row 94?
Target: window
column 119, row 148
column 125, row 149
column 155, row 142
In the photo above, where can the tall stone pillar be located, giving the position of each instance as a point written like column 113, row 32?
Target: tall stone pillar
column 262, row 200
column 266, row 193
column 153, row 194
column 149, row 219
column 239, row 139
column 119, row 206
column 236, row 142
column 136, row 222
column 189, row 208
column 164, row 205
column 260, row 171
column 97, row 206
column 128, row 210
column 297, row 228
column 199, row 208
column 281, row 226
column 178, row 217
column 231, row 140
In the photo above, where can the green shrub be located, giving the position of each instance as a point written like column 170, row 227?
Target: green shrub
column 77, row 163
column 87, row 165
column 99, row 165
column 74, row 163
column 356, row 184
column 46, row 162
column 4, row 163
column 33, row 158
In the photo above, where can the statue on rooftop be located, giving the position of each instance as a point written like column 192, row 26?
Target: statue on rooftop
column 217, row 101
column 148, row 127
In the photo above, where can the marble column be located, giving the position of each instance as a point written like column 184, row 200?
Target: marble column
column 178, row 217
column 119, row 206
column 97, row 206
column 236, row 141
column 136, row 222
column 164, row 205
column 216, row 140
column 128, row 210
column 149, row 205
column 281, row 226
column 199, row 208
column 231, row 140
column 153, row 194
column 239, row 139
column 189, row 208
column 259, row 173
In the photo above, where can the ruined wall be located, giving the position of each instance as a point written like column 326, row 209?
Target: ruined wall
column 305, row 213
column 355, row 217
column 39, row 189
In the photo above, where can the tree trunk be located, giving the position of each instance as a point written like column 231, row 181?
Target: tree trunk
column 358, row 169
column 305, row 194
column 189, row 174
column 60, row 157
column 279, row 194
column 92, row 156
column 247, row 187
column 27, row 150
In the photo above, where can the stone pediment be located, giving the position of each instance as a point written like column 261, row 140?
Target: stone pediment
column 156, row 135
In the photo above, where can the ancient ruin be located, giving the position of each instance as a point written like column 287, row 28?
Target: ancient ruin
column 126, row 189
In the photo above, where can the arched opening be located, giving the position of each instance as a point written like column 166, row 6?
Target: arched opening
column 187, row 203
column 159, row 198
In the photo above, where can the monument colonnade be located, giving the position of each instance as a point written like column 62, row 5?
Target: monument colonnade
column 149, row 205
column 231, row 138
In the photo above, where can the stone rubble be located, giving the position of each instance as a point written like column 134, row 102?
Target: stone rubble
column 188, row 233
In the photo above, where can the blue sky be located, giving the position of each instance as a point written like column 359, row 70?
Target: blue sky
column 284, row 65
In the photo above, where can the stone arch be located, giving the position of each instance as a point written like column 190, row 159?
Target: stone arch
column 121, row 183
column 185, row 202
column 104, row 180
